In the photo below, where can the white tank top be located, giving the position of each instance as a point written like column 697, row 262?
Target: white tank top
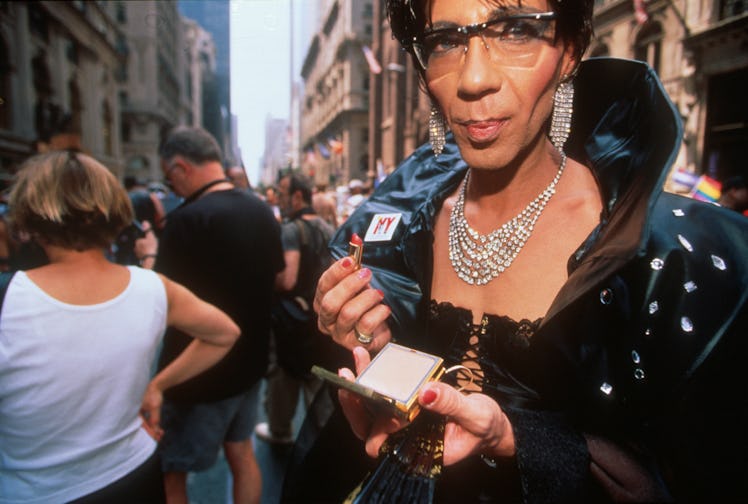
column 72, row 378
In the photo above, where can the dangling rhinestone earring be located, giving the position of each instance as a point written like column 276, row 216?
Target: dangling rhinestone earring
column 563, row 102
column 436, row 130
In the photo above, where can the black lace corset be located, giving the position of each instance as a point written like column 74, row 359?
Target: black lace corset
column 497, row 350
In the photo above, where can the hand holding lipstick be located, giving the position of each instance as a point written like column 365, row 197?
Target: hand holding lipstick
column 349, row 309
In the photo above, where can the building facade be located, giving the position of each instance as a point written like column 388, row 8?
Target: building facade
column 60, row 71
column 399, row 109
column 335, row 107
column 699, row 48
column 108, row 78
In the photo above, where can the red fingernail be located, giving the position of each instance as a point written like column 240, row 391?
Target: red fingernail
column 347, row 262
column 381, row 294
column 428, row 397
column 364, row 272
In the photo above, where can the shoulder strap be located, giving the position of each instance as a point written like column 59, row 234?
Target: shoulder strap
column 5, row 278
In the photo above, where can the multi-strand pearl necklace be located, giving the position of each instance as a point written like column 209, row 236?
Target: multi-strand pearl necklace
column 477, row 259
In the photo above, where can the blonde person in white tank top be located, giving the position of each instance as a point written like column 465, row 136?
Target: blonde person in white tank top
column 77, row 340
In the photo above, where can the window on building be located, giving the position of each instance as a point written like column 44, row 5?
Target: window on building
column 5, row 92
column 106, row 128
column 121, row 73
column 647, row 47
column 121, row 12
column 331, row 20
column 76, row 107
column 730, row 8
column 40, row 75
column 600, row 50
column 71, row 51
column 726, row 132
column 121, row 45
column 38, row 22
column 126, row 131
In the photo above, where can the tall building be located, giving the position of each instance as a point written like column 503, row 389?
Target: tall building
column 60, row 70
column 200, row 54
column 152, row 91
column 276, row 156
column 213, row 16
column 335, row 107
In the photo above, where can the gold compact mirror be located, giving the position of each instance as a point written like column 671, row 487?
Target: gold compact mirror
column 393, row 379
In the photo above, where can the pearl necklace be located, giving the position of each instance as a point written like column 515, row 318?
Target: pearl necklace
column 477, row 259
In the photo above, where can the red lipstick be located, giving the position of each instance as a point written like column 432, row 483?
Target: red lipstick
column 356, row 249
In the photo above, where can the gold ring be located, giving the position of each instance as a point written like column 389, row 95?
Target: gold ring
column 362, row 337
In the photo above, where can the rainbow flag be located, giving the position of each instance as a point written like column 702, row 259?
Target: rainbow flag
column 707, row 189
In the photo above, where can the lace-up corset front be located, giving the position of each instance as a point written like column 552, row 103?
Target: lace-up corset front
column 497, row 351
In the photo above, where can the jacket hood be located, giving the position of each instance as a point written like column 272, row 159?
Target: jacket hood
column 628, row 131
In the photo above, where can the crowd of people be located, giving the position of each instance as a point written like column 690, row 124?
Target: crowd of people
column 80, row 414
column 596, row 323
column 119, row 285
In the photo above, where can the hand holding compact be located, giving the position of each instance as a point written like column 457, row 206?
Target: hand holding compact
column 476, row 424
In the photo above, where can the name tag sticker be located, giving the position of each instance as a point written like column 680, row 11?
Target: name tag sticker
column 382, row 227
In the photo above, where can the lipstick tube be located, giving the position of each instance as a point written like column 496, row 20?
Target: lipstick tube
column 356, row 249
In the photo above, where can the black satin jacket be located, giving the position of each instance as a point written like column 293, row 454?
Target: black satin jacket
column 645, row 343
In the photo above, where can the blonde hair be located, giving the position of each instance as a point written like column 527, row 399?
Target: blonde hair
column 69, row 200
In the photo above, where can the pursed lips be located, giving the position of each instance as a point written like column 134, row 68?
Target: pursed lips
column 484, row 130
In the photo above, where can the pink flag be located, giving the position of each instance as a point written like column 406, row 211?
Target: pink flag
column 640, row 12
column 374, row 65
